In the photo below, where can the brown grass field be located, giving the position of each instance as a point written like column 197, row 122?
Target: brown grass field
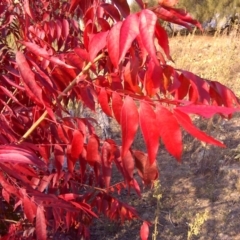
column 200, row 198
column 214, row 58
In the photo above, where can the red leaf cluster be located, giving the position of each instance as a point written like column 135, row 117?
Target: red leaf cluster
column 58, row 167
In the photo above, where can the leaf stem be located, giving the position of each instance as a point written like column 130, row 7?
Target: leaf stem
column 59, row 98
column 9, row 220
column 9, row 101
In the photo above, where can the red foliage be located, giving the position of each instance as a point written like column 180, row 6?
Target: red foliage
column 55, row 166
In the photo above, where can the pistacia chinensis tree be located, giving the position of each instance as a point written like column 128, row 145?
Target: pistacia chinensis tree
column 93, row 52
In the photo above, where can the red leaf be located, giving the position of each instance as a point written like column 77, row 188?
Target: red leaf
column 68, row 196
column 82, row 53
column 11, row 170
column 92, row 150
column 144, row 232
column 26, row 170
column 28, row 77
column 89, row 29
column 45, row 182
column 131, row 71
column 68, row 220
column 51, row 114
column 65, row 28
column 45, row 79
column 123, row 7
column 169, row 131
column 77, row 144
column 12, row 83
column 198, row 87
column 83, row 163
column 62, row 133
column 82, row 127
column 58, row 28
column 10, row 95
column 178, row 16
column 9, row 188
column 73, row 5
column 129, row 124
column 13, row 154
column 59, row 62
column 35, row 182
column 87, row 97
column 70, row 161
column 96, row 44
column 148, row 172
column 148, row 125
column 51, row 28
column 116, row 83
column 180, row 86
column 5, row 195
column 63, row 76
column 112, row 11
column 153, row 78
column 128, row 32
column 143, row 52
column 207, row 111
column 104, row 24
column 57, row 217
column 41, row 226
column 38, row 51
column 29, row 208
column 113, row 43
column 147, row 22
column 106, row 157
column 162, row 38
column 2, row 9
column 104, row 101
column 59, row 157
column 128, row 165
column 136, row 187
column 185, row 121
column 227, row 97
column 117, row 104
column 27, row 9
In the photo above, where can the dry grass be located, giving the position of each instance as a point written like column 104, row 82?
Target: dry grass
column 214, row 58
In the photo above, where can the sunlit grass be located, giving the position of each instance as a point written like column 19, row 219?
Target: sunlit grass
column 214, row 58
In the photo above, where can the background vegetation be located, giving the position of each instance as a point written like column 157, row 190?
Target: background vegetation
column 203, row 10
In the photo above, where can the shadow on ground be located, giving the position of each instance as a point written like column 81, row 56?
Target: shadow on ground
column 205, row 186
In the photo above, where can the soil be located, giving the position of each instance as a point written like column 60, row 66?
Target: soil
column 198, row 198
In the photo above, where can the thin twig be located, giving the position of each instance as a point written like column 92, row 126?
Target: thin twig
column 9, row 220
column 170, row 220
column 9, row 100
